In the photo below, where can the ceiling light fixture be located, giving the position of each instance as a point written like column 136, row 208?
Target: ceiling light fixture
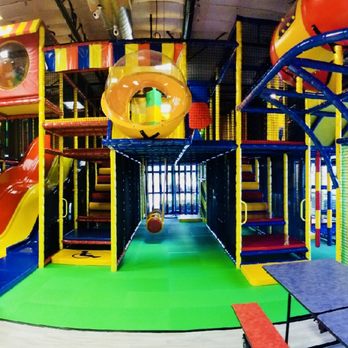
column 70, row 105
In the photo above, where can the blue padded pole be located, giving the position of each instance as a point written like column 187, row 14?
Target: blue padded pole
column 286, row 59
column 109, row 130
column 315, row 124
column 294, row 116
column 262, row 110
column 343, row 96
column 224, row 70
column 284, row 93
column 318, row 65
column 331, row 96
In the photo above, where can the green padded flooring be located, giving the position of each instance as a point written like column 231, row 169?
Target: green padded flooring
column 180, row 279
column 323, row 252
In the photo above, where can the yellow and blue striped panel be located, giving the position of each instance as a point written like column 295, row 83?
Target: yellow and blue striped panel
column 99, row 55
column 79, row 56
column 18, row 29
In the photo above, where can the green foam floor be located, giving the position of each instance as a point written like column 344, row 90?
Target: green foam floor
column 180, row 279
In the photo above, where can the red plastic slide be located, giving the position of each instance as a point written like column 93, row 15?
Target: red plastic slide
column 16, row 181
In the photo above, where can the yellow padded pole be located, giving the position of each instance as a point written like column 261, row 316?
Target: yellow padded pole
column 228, row 128
column 257, row 170
column 41, row 243
column 217, row 112
column 211, row 135
column 61, row 166
column 238, row 143
column 299, row 89
column 269, row 191
column 338, row 90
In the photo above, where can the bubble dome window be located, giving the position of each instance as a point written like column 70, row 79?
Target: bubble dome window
column 14, row 64
column 146, row 93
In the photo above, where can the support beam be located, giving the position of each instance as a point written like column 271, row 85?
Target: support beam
column 74, row 32
column 189, row 11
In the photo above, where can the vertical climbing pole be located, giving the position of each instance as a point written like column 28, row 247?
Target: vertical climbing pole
column 339, row 61
column 286, row 198
column 203, row 192
column 61, row 166
column 233, row 126
column 257, row 170
column 344, row 192
column 142, row 190
column 317, row 198
column 113, row 204
column 269, row 191
column 217, row 111
column 329, row 210
column 87, row 163
column 41, row 262
column 76, row 184
column 238, row 143
column 228, row 127
column 210, row 128
column 307, row 198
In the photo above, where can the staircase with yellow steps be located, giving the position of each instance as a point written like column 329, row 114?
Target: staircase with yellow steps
column 94, row 227
column 257, row 207
column 99, row 205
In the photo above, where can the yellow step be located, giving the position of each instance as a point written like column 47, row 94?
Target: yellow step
column 102, row 187
column 99, row 205
column 104, row 171
column 247, row 168
column 250, row 185
column 256, row 275
column 257, row 206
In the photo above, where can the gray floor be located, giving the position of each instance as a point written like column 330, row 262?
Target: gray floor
column 302, row 334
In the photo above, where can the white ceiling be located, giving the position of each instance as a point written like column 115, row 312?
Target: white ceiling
column 211, row 18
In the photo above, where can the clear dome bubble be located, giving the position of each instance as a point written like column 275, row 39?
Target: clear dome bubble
column 14, row 65
column 144, row 91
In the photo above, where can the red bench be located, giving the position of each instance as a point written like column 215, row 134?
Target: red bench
column 259, row 332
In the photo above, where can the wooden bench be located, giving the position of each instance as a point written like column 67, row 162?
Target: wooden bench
column 259, row 332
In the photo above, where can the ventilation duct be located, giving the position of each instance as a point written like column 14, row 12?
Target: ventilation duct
column 124, row 24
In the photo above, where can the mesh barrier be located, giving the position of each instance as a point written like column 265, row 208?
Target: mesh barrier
column 344, row 186
column 276, row 123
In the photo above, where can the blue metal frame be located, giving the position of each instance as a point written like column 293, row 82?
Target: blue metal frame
column 295, row 117
column 274, row 251
column 296, row 65
column 176, row 151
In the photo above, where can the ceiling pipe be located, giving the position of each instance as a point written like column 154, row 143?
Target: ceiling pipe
column 151, row 30
column 124, row 24
column 189, row 11
column 74, row 32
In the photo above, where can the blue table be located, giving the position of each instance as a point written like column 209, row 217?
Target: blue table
column 337, row 323
column 320, row 286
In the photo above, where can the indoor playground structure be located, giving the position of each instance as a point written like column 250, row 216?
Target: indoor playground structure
column 160, row 166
